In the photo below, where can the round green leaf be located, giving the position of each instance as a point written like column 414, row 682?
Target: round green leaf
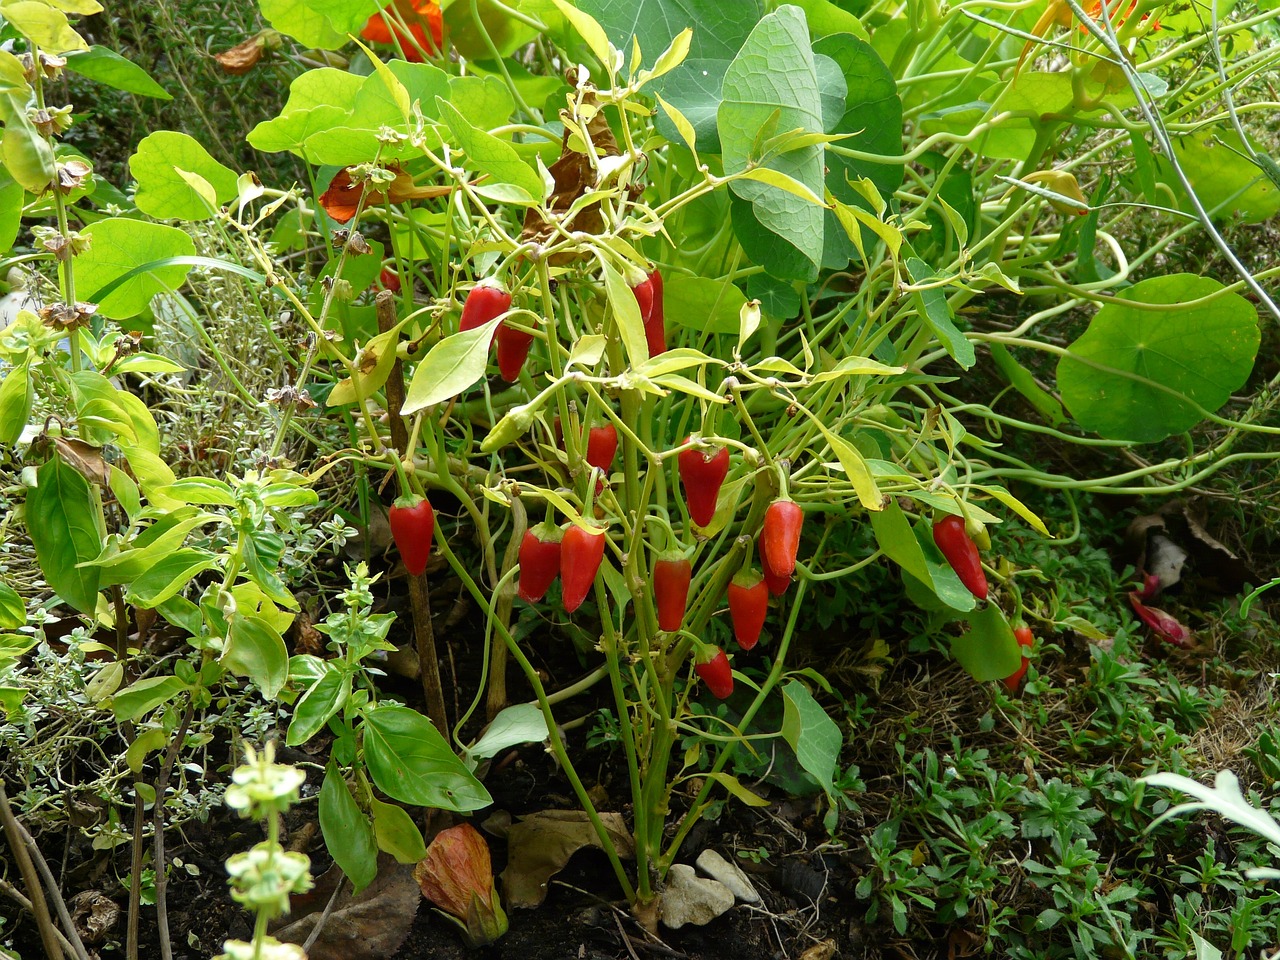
column 1137, row 374
column 118, row 245
column 256, row 651
column 163, row 191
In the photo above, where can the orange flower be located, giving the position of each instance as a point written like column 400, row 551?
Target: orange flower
column 425, row 23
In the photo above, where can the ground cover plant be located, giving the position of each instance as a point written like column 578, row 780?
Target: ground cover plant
column 718, row 417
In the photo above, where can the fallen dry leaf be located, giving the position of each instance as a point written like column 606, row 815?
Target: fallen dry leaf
column 539, row 846
column 371, row 926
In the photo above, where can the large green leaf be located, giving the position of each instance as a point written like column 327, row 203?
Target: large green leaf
column 318, row 99
column 163, row 192
column 812, row 734
column 64, row 523
column 169, row 575
column 1225, row 182
column 873, row 116
column 299, row 19
column 119, row 245
column 771, row 88
column 26, row 155
column 410, row 761
column 347, row 832
column 43, row 24
column 693, row 88
column 987, row 650
column 490, row 155
column 1132, row 373
column 110, row 69
column 914, row 551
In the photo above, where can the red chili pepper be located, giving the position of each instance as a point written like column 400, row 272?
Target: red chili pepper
column 486, row 300
column 776, row 583
column 1025, row 639
column 539, row 561
column 671, row 576
column 716, row 672
column 602, row 446
column 702, row 475
column 780, row 536
column 961, row 552
column 413, row 523
column 580, row 555
column 655, row 326
column 513, row 350
column 388, row 279
column 644, row 297
column 748, row 606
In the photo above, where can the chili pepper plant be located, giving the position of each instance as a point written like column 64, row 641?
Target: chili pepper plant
column 726, row 318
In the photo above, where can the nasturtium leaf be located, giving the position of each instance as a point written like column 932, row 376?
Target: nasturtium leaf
column 1226, row 183
column 826, row 18
column 872, row 115
column 346, row 16
column 379, row 101
column 693, row 88
column 64, row 525
column 410, row 761
column 760, row 95
column 987, row 650
column 299, row 19
column 163, row 192
column 505, row 32
column 112, row 70
column 118, row 246
column 348, row 834
column 703, row 304
column 485, row 101
column 832, row 89
column 317, row 100
column 1132, row 373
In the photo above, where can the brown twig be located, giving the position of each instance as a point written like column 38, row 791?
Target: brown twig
column 51, row 883
column 314, row 935
column 419, row 595
column 162, row 784
column 14, row 894
column 39, row 908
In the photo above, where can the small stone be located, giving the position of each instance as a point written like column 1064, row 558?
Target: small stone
column 688, row 898
column 730, row 874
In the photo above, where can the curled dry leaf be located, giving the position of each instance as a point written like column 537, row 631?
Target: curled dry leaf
column 539, row 846
column 245, row 55
column 573, row 176
column 343, row 197
column 457, row 876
